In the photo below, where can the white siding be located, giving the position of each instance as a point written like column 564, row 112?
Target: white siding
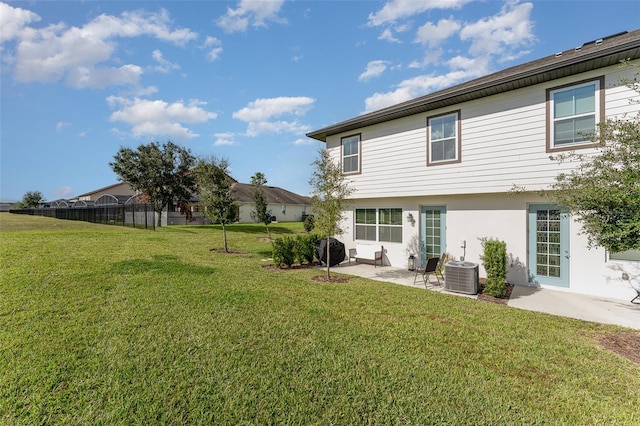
column 503, row 144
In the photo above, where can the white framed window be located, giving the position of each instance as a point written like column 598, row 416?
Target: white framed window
column 573, row 113
column 379, row 224
column 351, row 154
column 443, row 138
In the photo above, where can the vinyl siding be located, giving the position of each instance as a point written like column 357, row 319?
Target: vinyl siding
column 503, row 144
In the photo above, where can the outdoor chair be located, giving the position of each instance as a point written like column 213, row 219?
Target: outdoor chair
column 430, row 268
column 635, row 283
column 440, row 267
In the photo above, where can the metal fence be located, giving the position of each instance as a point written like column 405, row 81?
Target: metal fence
column 132, row 215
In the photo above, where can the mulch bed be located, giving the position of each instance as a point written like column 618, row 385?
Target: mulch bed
column 318, row 278
column 489, row 298
column 624, row 344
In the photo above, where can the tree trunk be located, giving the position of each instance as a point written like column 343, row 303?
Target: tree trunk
column 268, row 231
column 328, row 258
column 224, row 237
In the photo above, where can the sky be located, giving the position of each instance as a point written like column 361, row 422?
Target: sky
column 244, row 80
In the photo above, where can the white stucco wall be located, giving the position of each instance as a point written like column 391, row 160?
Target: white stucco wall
column 505, row 217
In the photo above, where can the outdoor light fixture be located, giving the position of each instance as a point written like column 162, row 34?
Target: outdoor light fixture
column 411, row 262
column 410, row 217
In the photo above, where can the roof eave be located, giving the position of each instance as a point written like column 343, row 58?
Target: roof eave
column 484, row 86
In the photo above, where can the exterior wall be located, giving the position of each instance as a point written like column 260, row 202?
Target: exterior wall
column 503, row 144
column 292, row 212
column 505, row 217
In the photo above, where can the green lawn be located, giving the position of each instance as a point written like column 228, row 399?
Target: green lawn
column 110, row 325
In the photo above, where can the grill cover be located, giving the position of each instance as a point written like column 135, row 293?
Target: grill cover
column 337, row 252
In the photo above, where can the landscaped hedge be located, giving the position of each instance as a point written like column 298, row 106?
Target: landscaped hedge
column 288, row 250
column 495, row 263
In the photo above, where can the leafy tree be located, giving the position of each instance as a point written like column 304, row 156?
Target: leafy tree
column 32, row 199
column 162, row 173
column 260, row 200
column 603, row 192
column 215, row 187
column 330, row 192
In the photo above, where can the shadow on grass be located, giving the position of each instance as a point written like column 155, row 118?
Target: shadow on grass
column 250, row 229
column 159, row 264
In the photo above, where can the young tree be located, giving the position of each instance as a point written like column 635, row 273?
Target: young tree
column 215, row 187
column 162, row 173
column 260, row 200
column 32, row 199
column 330, row 192
column 603, row 192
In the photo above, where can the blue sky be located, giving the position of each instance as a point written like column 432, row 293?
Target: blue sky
column 244, row 80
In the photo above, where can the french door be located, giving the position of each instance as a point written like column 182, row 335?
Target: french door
column 432, row 232
column 548, row 245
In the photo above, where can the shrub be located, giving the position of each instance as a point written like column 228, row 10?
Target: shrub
column 283, row 251
column 305, row 248
column 494, row 260
column 309, row 223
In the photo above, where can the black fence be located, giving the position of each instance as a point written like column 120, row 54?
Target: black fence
column 133, row 215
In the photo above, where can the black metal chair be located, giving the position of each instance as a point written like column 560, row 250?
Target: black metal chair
column 635, row 284
column 430, row 268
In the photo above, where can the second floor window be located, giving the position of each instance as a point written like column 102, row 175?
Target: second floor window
column 443, row 138
column 351, row 154
column 574, row 112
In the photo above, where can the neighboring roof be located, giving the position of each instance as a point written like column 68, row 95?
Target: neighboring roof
column 274, row 195
column 106, row 188
column 592, row 55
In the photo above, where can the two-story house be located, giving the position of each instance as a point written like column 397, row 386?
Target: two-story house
column 436, row 174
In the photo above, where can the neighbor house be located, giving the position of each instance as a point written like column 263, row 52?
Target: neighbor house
column 284, row 206
column 437, row 174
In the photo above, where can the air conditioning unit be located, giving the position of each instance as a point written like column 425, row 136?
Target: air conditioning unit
column 461, row 277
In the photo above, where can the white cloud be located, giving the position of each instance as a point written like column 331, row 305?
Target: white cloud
column 164, row 66
column 13, row 21
column 159, row 118
column 501, row 37
column 387, row 35
column 304, row 142
column 225, row 139
column 415, row 87
column 80, row 55
column 213, row 45
column 374, row 69
column 63, row 192
column 251, row 12
column 394, row 10
column 501, row 34
column 61, row 125
column 260, row 115
column 433, row 35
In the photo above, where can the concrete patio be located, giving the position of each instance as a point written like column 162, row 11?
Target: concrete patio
column 554, row 302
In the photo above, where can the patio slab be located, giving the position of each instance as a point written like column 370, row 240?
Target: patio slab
column 554, row 302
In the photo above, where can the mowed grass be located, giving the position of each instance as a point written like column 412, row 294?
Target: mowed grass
column 109, row 325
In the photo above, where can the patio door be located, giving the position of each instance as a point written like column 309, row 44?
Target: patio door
column 432, row 232
column 548, row 245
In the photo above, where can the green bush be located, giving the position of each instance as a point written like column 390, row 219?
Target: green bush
column 283, row 251
column 494, row 260
column 309, row 223
column 305, row 248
